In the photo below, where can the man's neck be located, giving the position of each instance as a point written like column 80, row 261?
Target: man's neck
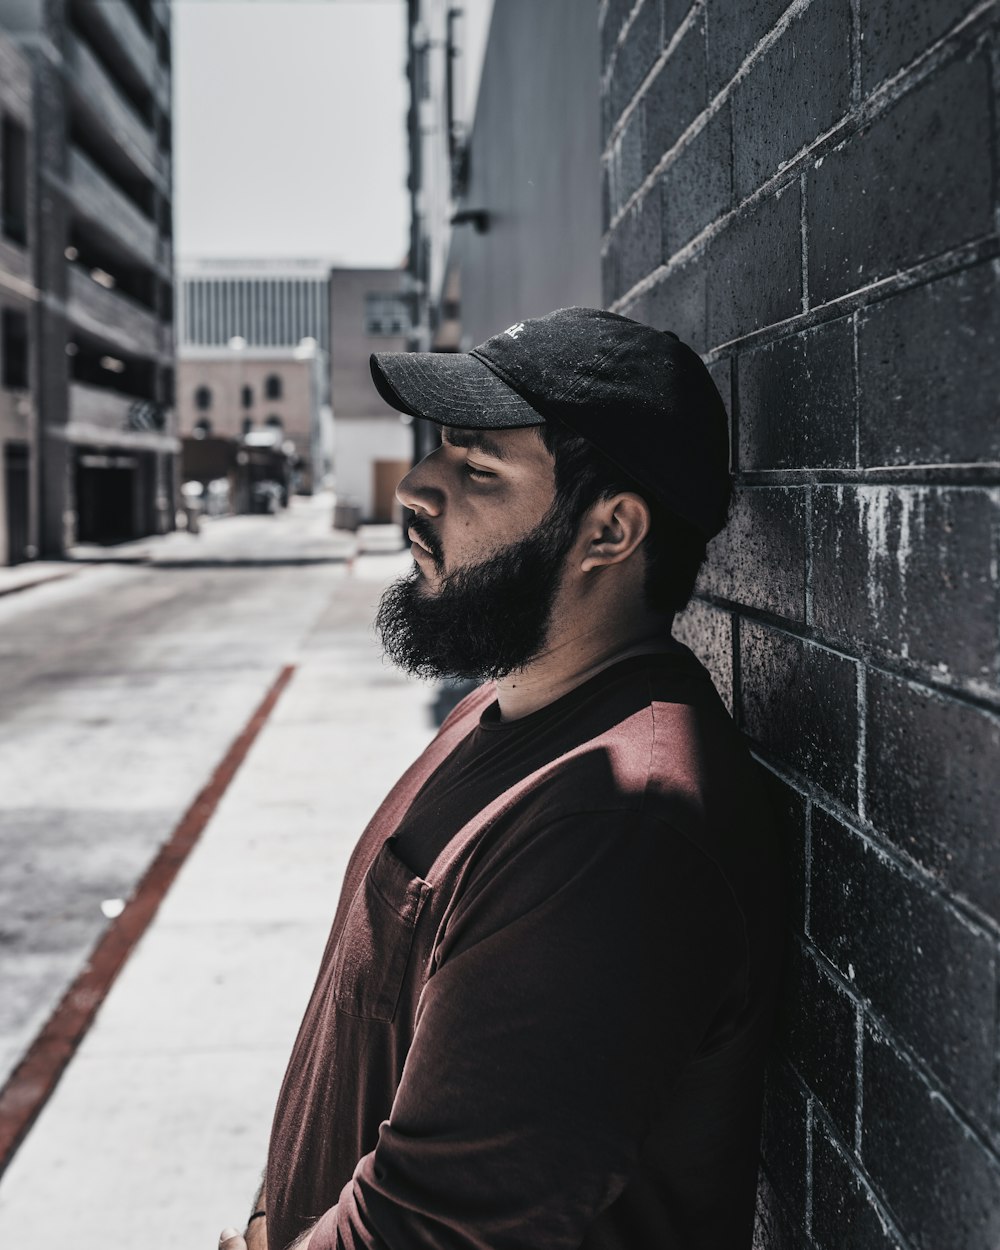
column 574, row 656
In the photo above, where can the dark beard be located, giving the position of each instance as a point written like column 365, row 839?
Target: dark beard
column 486, row 620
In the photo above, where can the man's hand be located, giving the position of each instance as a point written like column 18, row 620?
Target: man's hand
column 230, row 1239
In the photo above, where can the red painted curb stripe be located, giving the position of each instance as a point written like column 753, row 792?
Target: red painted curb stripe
column 42, row 581
column 32, row 1083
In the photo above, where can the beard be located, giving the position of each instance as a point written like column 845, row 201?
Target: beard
column 487, row 619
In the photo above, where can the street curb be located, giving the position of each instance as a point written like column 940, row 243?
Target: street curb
column 35, row 1078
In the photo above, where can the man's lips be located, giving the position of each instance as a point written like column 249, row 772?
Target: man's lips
column 412, row 535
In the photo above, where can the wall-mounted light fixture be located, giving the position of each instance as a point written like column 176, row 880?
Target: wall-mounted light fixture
column 479, row 218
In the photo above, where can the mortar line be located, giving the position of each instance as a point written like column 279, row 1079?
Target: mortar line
column 855, row 52
column 804, row 235
column 862, row 761
column 855, row 319
column 859, row 1074
column 810, row 1100
column 807, row 859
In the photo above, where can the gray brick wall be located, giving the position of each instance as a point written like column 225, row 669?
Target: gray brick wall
column 807, row 193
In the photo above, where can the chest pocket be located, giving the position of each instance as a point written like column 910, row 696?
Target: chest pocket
column 374, row 948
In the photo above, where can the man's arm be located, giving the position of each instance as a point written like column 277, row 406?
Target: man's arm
column 574, row 982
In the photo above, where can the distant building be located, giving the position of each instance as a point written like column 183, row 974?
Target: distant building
column 244, row 394
column 267, row 303
column 18, row 303
column 100, row 228
column 506, row 210
column 504, row 142
column 369, row 312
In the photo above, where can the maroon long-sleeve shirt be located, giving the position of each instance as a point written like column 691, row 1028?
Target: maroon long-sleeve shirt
column 542, row 1012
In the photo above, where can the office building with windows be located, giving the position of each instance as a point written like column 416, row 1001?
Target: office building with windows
column 267, row 303
column 102, row 263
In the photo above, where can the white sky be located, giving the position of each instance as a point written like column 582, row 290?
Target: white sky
column 289, row 129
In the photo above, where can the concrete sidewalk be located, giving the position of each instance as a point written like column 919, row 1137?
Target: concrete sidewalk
column 156, row 1135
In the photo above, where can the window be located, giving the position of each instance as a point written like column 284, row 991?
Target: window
column 14, row 349
column 203, row 398
column 274, row 420
column 202, row 427
column 386, row 313
column 246, row 397
column 14, row 158
column 272, row 387
column 247, row 424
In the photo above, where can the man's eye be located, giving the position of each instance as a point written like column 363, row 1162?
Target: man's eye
column 478, row 474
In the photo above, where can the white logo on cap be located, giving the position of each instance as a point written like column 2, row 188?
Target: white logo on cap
column 515, row 329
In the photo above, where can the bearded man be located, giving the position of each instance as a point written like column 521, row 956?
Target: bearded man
column 542, row 1014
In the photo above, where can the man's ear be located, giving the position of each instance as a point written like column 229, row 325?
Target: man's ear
column 613, row 529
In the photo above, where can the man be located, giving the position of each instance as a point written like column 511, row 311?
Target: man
column 543, row 1010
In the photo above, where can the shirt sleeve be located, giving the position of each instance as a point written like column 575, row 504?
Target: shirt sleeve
column 574, row 981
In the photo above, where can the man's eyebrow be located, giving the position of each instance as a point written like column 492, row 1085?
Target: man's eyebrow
column 474, row 440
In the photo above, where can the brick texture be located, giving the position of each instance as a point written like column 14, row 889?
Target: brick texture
column 939, row 1181
column 795, row 91
column 824, row 1059
column 934, row 983
column 931, row 784
column 903, row 190
column 760, row 557
column 806, row 192
column 698, row 184
column 754, row 268
column 799, row 705
column 929, row 372
column 919, row 558
column 844, row 1208
column 797, row 401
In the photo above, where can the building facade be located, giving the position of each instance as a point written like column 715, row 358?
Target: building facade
column 243, row 394
column 805, row 193
column 269, row 303
column 19, row 529
column 369, row 312
column 525, row 230
column 102, row 265
column 506, row 218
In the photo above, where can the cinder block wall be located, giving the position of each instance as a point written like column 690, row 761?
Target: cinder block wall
column 807, row 193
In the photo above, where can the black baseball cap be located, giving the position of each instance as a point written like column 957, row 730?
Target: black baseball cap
column 640, row 395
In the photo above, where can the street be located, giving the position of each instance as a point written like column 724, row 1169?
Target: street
column 121, row 688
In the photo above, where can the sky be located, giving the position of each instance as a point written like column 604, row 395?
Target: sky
column 289, row 129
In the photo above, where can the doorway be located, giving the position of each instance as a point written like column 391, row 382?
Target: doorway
column 105, row 498
column 16, row 489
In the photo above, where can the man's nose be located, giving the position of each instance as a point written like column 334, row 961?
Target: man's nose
column 418, row 492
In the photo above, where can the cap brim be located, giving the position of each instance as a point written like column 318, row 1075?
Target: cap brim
column 451, row 388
